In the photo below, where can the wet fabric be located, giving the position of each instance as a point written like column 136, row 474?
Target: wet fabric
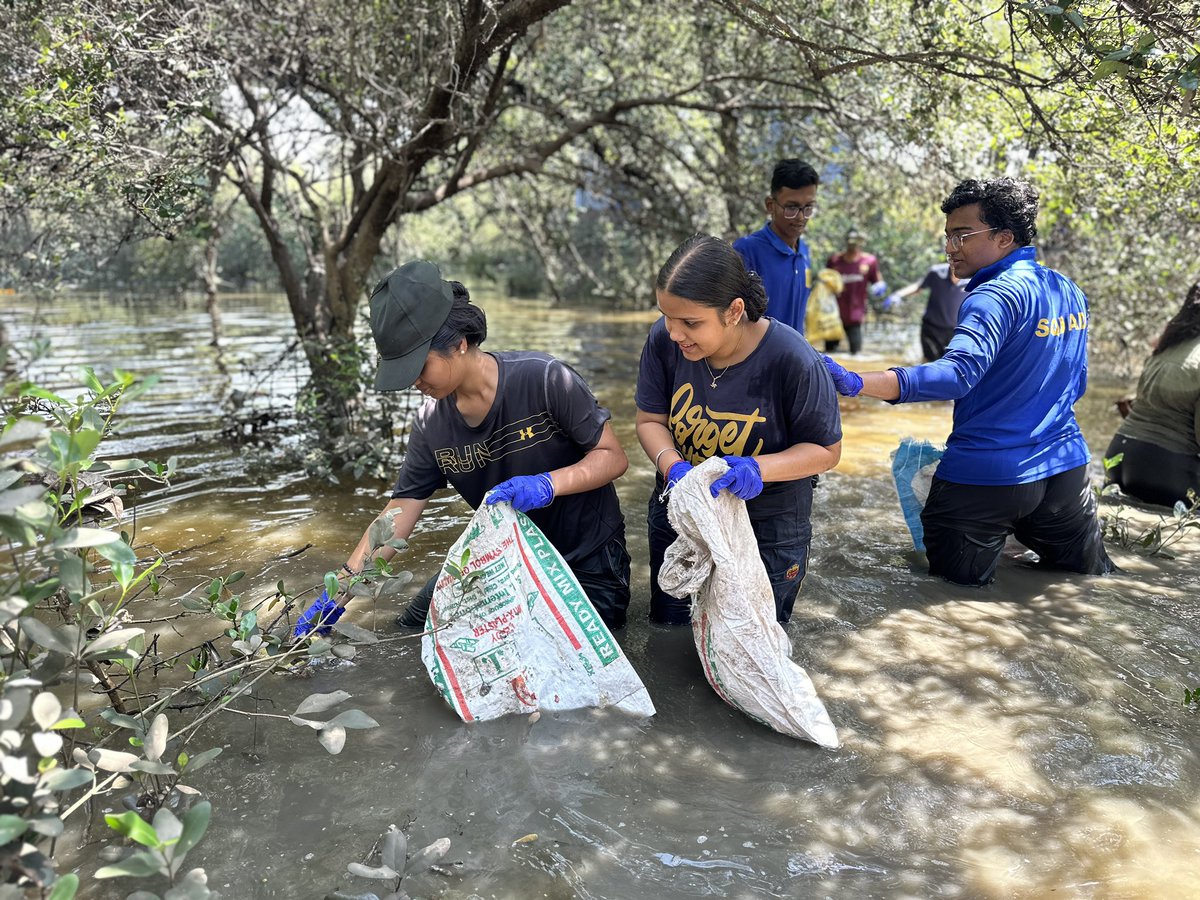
column 783, row 545
column 745, row 653
column 913, row 465
column 966, row 526
column 1151, row 473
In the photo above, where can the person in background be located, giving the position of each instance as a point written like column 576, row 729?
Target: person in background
column 823, row 320
column 946, row 295
column 860, row 274
column 1015, row 460
column 1159, row 440
column 719, row 378
column 777, row 251
column 518, row 427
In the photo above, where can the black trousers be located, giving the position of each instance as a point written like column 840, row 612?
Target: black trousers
column 934, row 340
column 604, row 577
column 854, row 335
column 966, row 526
column 1152, row 473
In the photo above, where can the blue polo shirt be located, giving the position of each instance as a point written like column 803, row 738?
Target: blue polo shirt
column 786, row 273
column 1015, row 367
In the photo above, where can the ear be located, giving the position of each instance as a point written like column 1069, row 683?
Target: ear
column 767, row 204
column 735, row 311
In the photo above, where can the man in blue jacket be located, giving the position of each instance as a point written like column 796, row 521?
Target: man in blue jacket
column 777, row 251
column 1015, row 461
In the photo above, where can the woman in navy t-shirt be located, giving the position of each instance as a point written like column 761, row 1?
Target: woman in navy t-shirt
column 718, row 378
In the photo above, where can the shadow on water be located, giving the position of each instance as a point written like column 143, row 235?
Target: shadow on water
column 1023, row 740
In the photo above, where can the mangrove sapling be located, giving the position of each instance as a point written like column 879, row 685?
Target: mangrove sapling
column 1152, row 540
column 395, row 864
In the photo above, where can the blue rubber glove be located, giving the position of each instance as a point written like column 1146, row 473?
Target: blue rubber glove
column 524, row 492
column 677, row 471
column 878, row 289
column 845, row 382
column 892, row 300
column 324, row 612
column 742, row 479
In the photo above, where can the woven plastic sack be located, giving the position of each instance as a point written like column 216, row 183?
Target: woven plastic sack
column 745, row 653
column 913, row 465
column 510, row 630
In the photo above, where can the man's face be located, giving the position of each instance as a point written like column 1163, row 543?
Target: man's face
column 981, row 246
column 854, row 243
column 787, row 200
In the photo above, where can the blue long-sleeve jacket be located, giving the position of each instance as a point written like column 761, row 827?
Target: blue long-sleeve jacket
column 1015, row 367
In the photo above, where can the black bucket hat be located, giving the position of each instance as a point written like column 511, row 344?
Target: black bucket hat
column 408, row 306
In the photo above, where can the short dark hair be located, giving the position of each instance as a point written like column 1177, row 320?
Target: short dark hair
column 1004, row 204
column 708, row 271
column 793, row 174
column 464, row 321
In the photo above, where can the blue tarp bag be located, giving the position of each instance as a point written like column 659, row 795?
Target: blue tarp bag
column 913, row 465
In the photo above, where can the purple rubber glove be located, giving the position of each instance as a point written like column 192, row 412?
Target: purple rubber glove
column 892, row 300
column 677, row 471
column 742, row 479
column 878, row 289
column 845, row 382
column 524, row 492
column 323, row 613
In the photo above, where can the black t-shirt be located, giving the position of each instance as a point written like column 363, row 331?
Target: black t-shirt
column 544, row 417
column 779, row 396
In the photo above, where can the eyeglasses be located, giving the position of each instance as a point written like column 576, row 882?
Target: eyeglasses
column 955, row 241
column 794, row 209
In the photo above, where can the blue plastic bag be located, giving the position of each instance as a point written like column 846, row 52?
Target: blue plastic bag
column 913, row 464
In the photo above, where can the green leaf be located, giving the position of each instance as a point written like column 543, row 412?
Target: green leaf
column 356, row 633
column 11, row 828
column 195, row 824
column 111, row 640
column 331, row 585
column 65, row 887
column 201, row 759
column 315, row 703
column 352, row 718
column 333, row 739
column 86, row 537
column 61, row 640
column 66, row 779
column 118, row 552
column 139, row 865
column 131, row 825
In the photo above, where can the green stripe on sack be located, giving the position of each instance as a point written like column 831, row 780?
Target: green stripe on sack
column 560, row 579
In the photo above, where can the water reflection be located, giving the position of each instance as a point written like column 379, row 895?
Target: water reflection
column 1023, row 740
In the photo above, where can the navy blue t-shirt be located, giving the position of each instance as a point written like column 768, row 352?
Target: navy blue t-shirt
column 779, row 396
column 544, row 417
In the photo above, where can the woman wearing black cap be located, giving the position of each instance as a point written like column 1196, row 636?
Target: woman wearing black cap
column 519, row 424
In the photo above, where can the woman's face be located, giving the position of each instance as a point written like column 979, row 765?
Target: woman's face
column 700, row 331
column 442, row 373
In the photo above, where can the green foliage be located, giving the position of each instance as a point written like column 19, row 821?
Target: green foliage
column 1152, row 540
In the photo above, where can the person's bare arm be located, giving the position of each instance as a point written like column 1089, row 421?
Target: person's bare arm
column 605, row 462
column 798, row 461
column 655, row 438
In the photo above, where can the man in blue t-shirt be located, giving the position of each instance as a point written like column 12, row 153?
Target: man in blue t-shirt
column 777, row 251
column 1015, row 461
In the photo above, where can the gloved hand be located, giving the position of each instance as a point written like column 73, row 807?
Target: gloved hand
column 742, row 479
column 324, row 612
column 878, row 289
column 677, row 471
column 845, row 382
column 524, row 492
column 892, row 300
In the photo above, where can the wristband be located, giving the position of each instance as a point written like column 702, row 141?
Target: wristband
column 349, row 571
column 658, row 456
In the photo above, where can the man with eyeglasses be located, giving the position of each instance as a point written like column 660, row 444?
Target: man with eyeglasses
column 777, row 251
column 1015, row 460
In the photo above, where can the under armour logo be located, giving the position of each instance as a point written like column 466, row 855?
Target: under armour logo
column 526, row 434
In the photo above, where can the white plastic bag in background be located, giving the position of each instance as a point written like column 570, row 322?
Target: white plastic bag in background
column 513, row 631
column 745, row 652
column 913, row 466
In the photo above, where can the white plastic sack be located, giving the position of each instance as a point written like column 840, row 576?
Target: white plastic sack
column 523, row 635
column 745, row 653
column 913, row 465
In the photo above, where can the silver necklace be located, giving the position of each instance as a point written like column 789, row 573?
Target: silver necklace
column 714, row 378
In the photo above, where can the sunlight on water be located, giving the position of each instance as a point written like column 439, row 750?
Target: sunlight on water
column 1023, row 740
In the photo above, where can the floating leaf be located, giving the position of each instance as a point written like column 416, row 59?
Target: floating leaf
column 333, row 739
column 527, row 839
column 395, row 849
column 345, row 651
column 427, row 856
column 380, row 873
column 314, row 703
column 353, row 718
column 356, row 633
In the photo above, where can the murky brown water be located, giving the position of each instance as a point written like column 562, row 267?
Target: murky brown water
column 1025, row 740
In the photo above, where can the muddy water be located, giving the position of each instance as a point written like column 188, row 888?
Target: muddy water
column 1025, row 740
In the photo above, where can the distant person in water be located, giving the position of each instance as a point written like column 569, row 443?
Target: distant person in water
column 946, row 295
column 518, row 427
column 1159, row 441
column 860, row 276
column 1015, row 461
